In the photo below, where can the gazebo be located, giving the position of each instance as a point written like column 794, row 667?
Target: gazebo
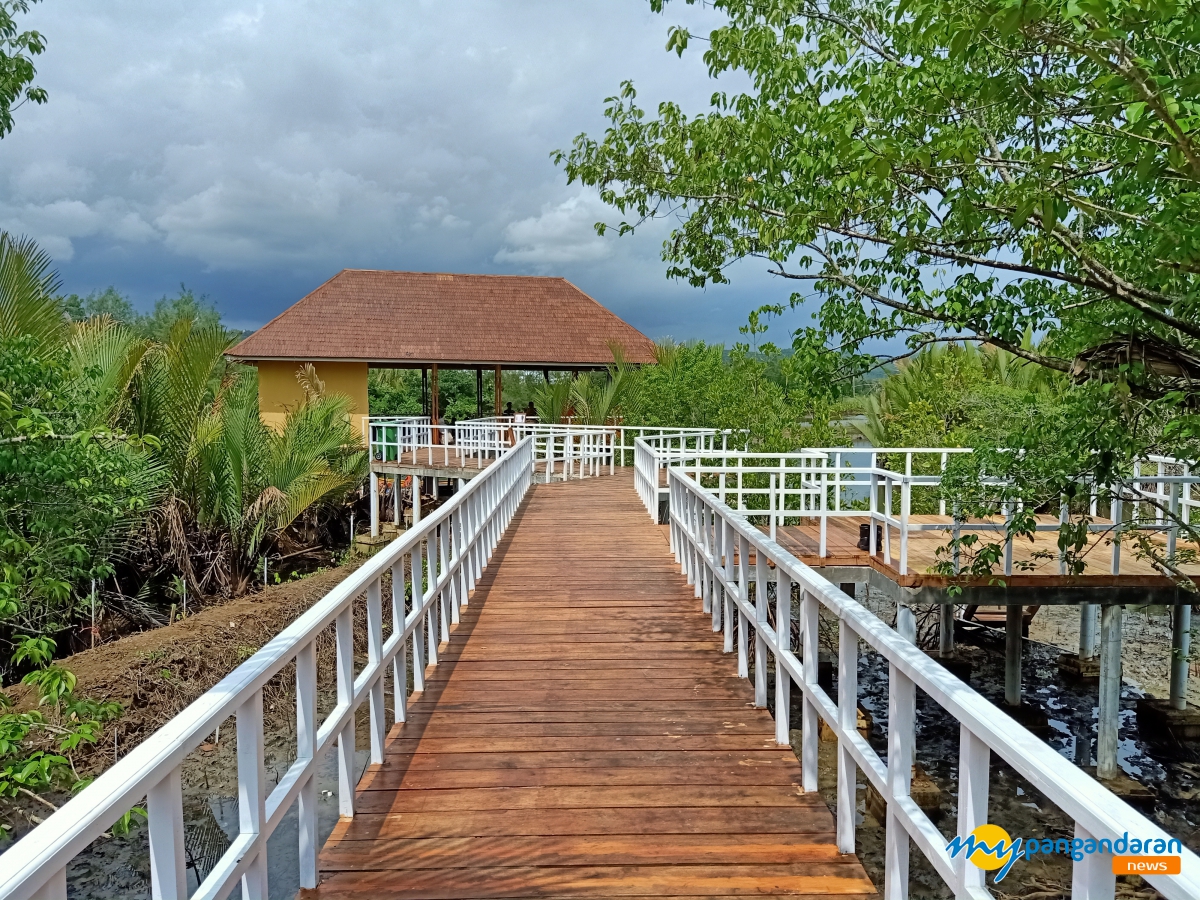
column 363, row 318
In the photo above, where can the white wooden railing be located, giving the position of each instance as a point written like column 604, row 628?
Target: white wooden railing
column 714, row 545
column 561, row 450
column 820, row 484
column 446, row 552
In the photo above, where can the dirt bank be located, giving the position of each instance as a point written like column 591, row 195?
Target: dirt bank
column 156, row 673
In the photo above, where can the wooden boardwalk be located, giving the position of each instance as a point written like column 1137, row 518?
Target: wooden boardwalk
column 584, row 736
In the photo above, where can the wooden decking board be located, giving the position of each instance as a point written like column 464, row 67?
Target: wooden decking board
column 584, row 736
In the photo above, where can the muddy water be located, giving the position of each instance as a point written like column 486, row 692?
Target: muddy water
column 120, row 867
column 1071, row 714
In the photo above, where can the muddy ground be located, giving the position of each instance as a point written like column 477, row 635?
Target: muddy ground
column 1145, row 647
column 154, row 674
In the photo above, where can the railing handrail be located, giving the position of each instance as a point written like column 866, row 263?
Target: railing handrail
column 1094, row 809
column 44, row 853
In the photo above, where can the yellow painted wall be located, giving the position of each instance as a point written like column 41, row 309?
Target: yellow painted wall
column 279, row 391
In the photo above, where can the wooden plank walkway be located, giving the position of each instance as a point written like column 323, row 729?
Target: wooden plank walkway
column 584, row 736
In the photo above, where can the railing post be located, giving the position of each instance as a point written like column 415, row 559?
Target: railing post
column 760, row 623
column 905, row 506
column 306, row 748
column 1092, row 877
column 722, row 561
column 822, row 550
column 810, row 609
column 887, row 527
column 1115, row 513
column 743, row 590
column 251, row 769
column 706, row 598
column 450, row 589
column 344, row 636
column 902, row 697
column 1008, row 539
column 460, row 557
column 378, row 718
column 784, row 643
column 433, row 636
column 374, row 494
column 54, row 888
column 942, row 502
column 418, row 634
column 974, row 760
column 771, row 506
column 873, row 511
column 744, row 594
column 730, row 543
column 847, row 769
column 164, row 822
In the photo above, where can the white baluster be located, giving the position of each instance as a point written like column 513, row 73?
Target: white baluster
column 251, row 771
column 164, row 823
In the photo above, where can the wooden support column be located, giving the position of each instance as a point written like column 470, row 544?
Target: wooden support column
column 434, row 409
column 1012, row 655
column 499, row 391
column 479, row 393
column 1087, row 630
column 1110, row 691
column 1181, row 646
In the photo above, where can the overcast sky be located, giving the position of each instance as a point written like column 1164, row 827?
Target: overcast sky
column 253, row 150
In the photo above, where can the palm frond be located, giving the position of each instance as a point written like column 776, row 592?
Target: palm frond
column 29, row 289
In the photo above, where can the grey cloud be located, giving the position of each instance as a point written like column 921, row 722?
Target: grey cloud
column 255, row 148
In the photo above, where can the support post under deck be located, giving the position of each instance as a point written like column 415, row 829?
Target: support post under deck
column 1087, row 630
column 1181, row 644
column 1012, row 654
column 946, row 628
column 1110, row 690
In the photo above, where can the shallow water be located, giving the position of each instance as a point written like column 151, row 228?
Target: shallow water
column 1072, row 713
column 120, row 867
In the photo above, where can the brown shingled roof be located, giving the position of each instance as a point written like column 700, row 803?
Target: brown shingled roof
column 426, row 317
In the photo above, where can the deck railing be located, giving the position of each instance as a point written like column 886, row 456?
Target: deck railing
column 434, row 565
column 820, row 484
column 714, row 545
column 562, row 450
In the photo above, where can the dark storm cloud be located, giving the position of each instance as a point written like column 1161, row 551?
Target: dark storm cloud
column 252, row 150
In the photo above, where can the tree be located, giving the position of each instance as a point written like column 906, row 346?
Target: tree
column 941, row 170
column 108, row 302
column 71, row 488
column 17, row 49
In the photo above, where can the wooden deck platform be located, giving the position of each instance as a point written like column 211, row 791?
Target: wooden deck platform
column 584, row 736
column 1035, row 563
column 434, row 462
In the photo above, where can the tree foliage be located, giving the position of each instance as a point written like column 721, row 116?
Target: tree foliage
column 17, row 50
column 936, row 171
column 983, row 169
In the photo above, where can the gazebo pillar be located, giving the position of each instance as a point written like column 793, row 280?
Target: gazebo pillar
column 499, row 391
column 434, row 416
